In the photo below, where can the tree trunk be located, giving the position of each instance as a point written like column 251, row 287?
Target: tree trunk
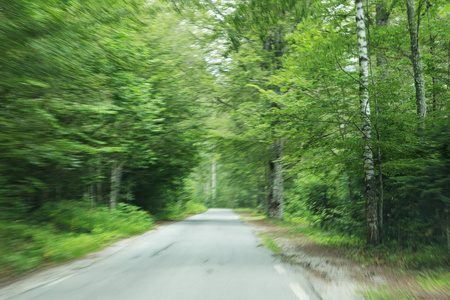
column 416, row 59
column 99, row 181
column 206, row 190
column 276, row 184
column 91, row 194
column 433, row 65
column 447, row 231
column 262, row 196
column 213, row 182
column 382, row 17
column 116, row 176
column 373, row 236
column 275, row 207
column 99, row 191
column 381, row 196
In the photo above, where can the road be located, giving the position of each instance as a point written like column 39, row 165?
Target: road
column 211, row 256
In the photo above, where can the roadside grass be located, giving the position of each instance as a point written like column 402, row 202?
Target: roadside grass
column 244, row 210
column 435, row 280
column 249, row 214
column 421, row 257
column 432, row 284
column 423, row 272
column 63, row 231
column 429, row 284
column 192, row 207
column 384, row 293
column 180, row 211
column 269, row 243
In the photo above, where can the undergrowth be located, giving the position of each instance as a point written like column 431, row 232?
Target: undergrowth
column 192, row 207
column 431, row 284
column 62, row 231
column 428, row 264
column 269, row 243
column 418, row 257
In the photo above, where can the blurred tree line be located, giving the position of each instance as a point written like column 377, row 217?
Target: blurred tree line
column 97, row 102
column 335, row 111
column 292, row 74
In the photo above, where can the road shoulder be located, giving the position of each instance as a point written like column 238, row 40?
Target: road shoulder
column 335, row 276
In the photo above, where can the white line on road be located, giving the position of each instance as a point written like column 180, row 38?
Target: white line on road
column 280, row 269
column 58, row 281
column 299, row 292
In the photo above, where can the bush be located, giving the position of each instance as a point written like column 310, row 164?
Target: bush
column 65, row 230
column 192, row 207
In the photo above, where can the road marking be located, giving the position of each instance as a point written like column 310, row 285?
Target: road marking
column 58, row 281
column 280, row 269
column 298, row 291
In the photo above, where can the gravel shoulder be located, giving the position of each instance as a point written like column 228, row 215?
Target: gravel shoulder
column 334, row 276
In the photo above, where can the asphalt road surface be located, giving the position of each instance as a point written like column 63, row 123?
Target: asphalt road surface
column 211, row 256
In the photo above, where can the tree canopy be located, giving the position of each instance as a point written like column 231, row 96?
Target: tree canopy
column 316, row 109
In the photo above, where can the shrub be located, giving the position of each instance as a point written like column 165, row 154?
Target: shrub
column 65, row 230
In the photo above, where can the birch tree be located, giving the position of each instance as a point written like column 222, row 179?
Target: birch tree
column 373, row 236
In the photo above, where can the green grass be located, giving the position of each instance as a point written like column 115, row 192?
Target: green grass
column 192, row 207
column 298, row 220
column 244, row 210
column 269, row 243
column 325, row 237
column 251, row 214
column 427, row 264
column 434, row 280
column 383, row 293
column 63, row 231
column 421, row 257
column 254, row 218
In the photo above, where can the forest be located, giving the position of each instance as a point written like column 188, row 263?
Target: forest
column 117, row 113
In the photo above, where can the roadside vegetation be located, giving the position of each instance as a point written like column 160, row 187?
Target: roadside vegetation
column 61, row 231
column 99, row 125
column 420, row 273
column 329, row 116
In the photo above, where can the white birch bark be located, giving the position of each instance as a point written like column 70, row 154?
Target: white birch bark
column 373, row 236
column 416, row 59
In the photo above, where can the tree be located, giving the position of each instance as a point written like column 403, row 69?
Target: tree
column 92, row 102
column 373, row 236
column 416, row 59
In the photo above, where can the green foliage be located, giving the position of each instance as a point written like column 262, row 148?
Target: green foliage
column 419, row 257
column 87, row 85
column 434, row 280
column 65, row 230
column 435, row 284
column 383, row 293
column 192, row 207
column 251, row 214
